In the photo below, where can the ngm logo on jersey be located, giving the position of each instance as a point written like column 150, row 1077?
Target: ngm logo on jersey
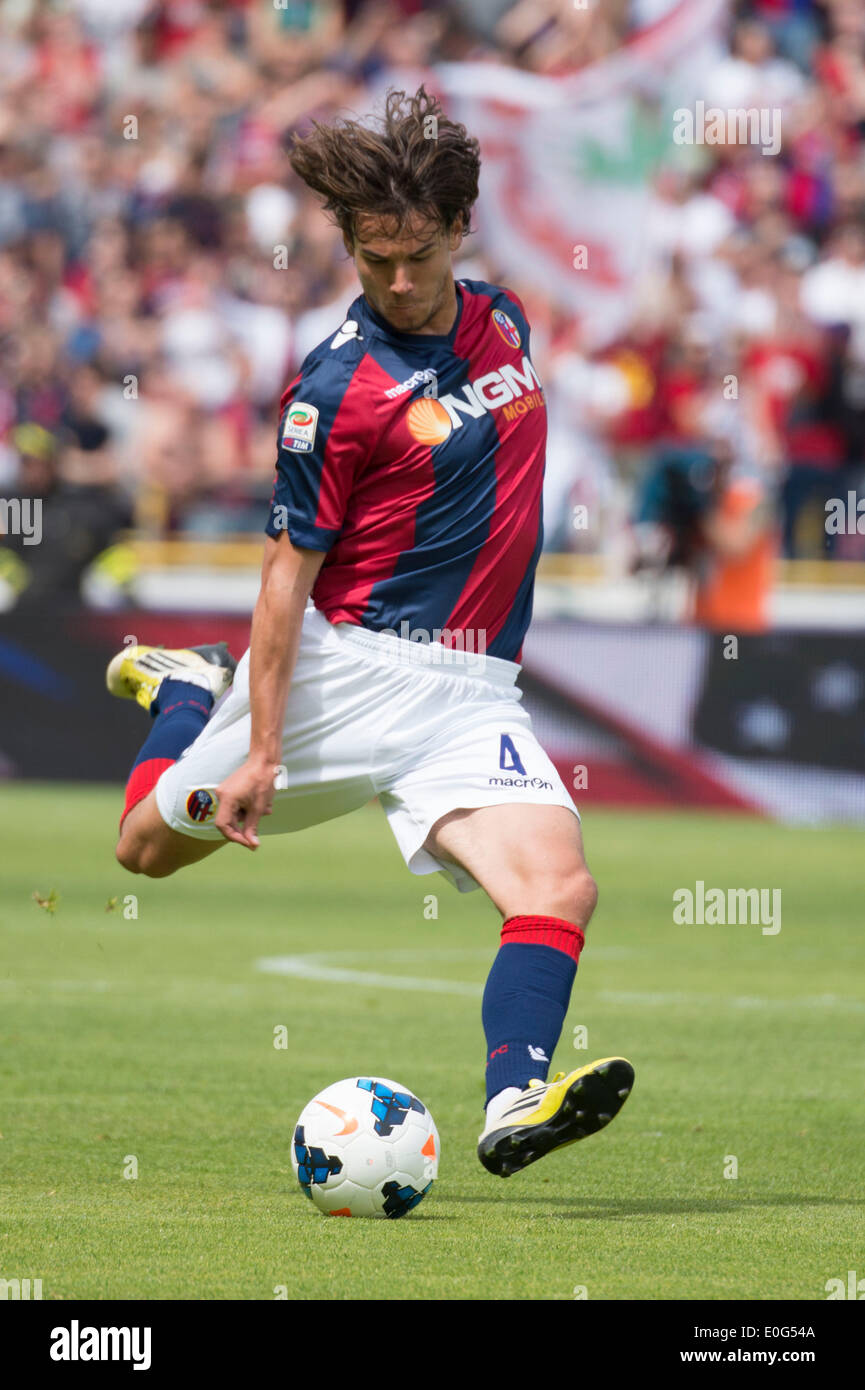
column 515, row 389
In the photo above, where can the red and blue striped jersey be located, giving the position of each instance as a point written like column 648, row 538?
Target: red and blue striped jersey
column 416, row 462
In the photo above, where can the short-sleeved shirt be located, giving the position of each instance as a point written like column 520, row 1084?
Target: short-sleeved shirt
column 416, row 462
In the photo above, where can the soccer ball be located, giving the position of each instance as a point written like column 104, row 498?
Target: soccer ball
column 365, row 1147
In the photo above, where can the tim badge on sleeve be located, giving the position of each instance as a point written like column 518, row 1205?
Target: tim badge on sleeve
column 298, row 432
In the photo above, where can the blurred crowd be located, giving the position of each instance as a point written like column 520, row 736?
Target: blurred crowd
column 163, row 273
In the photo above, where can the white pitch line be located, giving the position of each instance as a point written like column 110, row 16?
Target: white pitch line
column 313, row 967
column 310, row 968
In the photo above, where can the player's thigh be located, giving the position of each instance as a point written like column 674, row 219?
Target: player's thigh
column 529, row 859
column 148, row 846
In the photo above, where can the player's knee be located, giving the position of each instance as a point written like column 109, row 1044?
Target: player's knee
column 126, row 854
column 580, row 896
column 138, row 857
column 571, row 895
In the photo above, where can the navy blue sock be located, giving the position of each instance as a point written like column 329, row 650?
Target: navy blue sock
column 526, row 998
column 180, row 711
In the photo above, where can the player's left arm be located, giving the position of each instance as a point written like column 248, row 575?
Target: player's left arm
column 287, row 577
column 322, row 442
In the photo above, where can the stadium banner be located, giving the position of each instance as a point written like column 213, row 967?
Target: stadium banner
column 631, row 715
column 58, row 721
column 568, row 161
column 664, row 715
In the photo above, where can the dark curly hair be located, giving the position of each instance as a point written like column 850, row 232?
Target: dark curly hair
column 418, row 161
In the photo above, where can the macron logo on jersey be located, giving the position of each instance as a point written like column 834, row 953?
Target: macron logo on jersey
column 346, row 334
column 428, row 375
column 517, row 389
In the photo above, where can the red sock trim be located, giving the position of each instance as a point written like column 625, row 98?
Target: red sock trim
column 142, row 779
column 545, row 931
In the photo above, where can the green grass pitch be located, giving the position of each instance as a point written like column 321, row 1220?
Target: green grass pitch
column 153, row 1038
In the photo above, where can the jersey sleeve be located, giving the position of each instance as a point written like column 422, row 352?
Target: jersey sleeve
column 321, row 445
column 512, row 302
column 515, row 300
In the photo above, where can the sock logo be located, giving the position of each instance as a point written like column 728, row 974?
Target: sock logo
column 537, row 1054
column 499, row 1051
column 199, row 805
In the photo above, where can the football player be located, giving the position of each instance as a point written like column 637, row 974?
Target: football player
column 402, row 540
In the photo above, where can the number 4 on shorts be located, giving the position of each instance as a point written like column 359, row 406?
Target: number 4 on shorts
column 509, row 758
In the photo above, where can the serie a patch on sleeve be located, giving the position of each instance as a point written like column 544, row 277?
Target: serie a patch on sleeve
column 298, row 431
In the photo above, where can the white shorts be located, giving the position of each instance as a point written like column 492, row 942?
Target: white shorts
column 424, row 728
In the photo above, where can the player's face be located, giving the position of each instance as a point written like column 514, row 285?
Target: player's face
column 407, row 276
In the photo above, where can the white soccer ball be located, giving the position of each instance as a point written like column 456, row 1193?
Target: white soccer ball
column 365, row 1146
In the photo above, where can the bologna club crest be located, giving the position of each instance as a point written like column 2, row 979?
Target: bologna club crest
column 506, row 327
column 200, row 805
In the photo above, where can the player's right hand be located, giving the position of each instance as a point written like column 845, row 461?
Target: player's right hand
column 244, row 797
